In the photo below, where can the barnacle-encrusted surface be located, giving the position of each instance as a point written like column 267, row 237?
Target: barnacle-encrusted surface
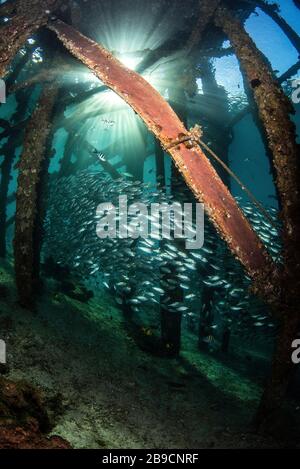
column 30, row 168
column 26, row 17
column 8, row 150
column 274, row 109
column 207, row 9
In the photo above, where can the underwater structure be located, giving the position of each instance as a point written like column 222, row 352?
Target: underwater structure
column 88, row 119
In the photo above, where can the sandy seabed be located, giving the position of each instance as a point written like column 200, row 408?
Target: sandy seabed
column 104, row 392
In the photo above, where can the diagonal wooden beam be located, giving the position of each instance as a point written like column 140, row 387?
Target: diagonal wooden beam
column 196, row 169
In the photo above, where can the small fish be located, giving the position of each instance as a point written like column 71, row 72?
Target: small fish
column 134, row 301
column 190, row 296
column 158, row 290
column 141, row 298
column 100, row 155
column 209, row 339
column 147, row 250
column 182, row 308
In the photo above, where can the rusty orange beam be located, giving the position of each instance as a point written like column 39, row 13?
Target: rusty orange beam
column 195, row 167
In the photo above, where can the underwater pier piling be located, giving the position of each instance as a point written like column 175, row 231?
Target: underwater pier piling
column 26, row 245
column 8, row 150
column 274, row 110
